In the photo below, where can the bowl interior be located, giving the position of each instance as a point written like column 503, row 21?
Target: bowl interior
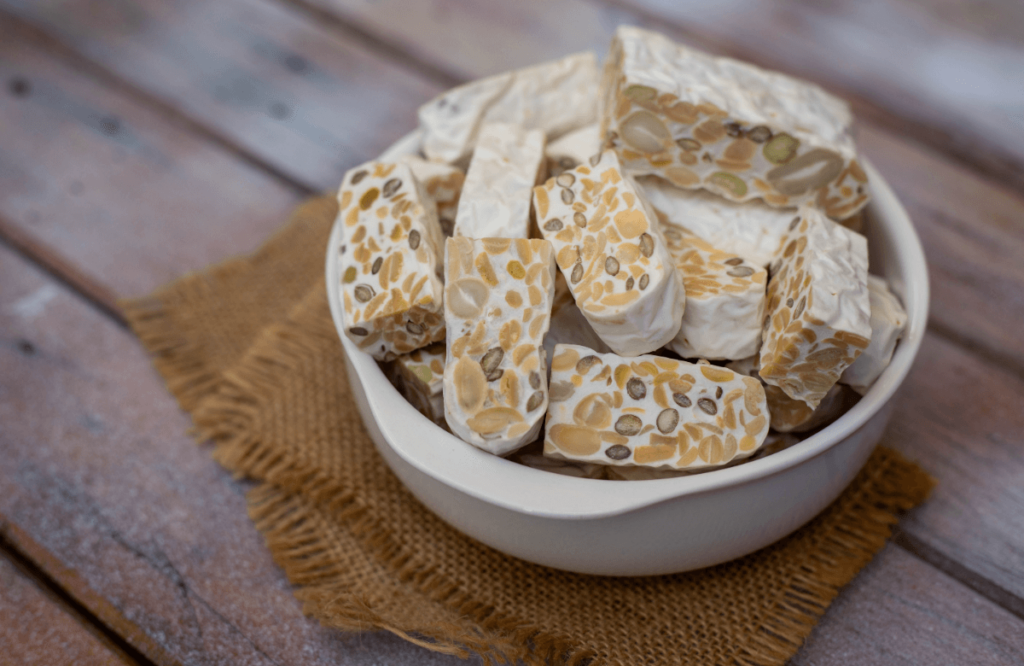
column 895, row 253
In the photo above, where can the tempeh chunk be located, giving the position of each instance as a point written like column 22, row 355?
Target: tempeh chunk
column 753, row 230
column 555, row 97
column 573, row 149
column 419, row 376
column 742, row 132
column 390, row 261
column 789, row 415
column 888, row 320
column 724, row 299
column 443, row 184
column 818, row 315
column 496, row 196
column 651, row 411
column 498, row 297
column 612, row 254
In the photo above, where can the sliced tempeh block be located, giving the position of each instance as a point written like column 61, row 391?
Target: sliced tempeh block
column 888, row 320
column 419, row 376
column 611, row 252
column 752, row 230
column 573, row 149
column 724, row 299
column 497, row 194
column 390, row 261
column 443, row 183
column 818, row 316
column 742, row 132
column 789, row 415
column 498, row 297
column 651, row 411
column 555, row 97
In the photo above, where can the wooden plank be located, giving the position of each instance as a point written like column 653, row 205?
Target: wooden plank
column 34, row 629
column 970, row 260
column 975, row 481
column 960, row 418
column 900, row 611
column 113, row 190
column 949, row 79
column 971, row 227
column 106, row 493
column 308, row 100
column 953, row 89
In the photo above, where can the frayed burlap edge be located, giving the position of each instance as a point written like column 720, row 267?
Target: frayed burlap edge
column 897, row 486
column 181, row 359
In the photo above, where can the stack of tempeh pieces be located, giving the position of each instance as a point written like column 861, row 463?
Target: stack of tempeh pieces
column 661, row 263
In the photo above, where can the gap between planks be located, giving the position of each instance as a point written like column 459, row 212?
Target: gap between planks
column 381, row 47
column 106, row 302
column 80, row 63
column 993, row 164
column 67, row 601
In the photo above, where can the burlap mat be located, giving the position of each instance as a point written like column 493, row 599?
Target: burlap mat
column 249, row 349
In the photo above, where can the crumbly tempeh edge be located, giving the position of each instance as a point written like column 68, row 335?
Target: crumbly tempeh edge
column 498, row 298
column 443, row 184
column 611, row 252
column 725, row 298
column 651, row 411
column 419, row 376
column 817, row 320
column 390, row 261
column 719, row 124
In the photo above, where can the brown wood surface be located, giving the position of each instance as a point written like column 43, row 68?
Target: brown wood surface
column 37, row 630
column 139, row 140
column 120, row 507
column 901, row 612
column 948, row 78
column 310, row 101
column 970, row 226
column 103, row 489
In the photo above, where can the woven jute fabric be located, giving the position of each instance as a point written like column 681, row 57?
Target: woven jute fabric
column 249, row 349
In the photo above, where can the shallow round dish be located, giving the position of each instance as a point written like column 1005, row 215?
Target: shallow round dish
column 638, row 528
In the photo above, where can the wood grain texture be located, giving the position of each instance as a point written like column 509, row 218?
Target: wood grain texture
column 153, row 532
column 308, row 100
column 972, row 228
column 954, row 89
column 109, row 497
column 36, row 630
column 108, row 186
column 931, row 74
column 960, row 418
column 900, row 611
column 963, row 218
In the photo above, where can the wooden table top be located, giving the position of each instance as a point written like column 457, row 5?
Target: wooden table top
column 140, row 139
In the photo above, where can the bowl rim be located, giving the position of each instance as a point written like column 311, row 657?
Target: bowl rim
column 521, row 489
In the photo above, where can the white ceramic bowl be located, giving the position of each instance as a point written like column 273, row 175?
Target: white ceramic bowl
column 637, row 528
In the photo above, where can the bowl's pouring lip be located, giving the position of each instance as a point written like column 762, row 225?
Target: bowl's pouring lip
column 521, row 489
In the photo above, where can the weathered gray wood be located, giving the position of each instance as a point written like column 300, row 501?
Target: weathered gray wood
column 936, row 69
column 144, row 528
column 899, row 611
column 36, row 630
column 971, row 227
column 106, row 493
column 110, row 187
column 306, row 99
